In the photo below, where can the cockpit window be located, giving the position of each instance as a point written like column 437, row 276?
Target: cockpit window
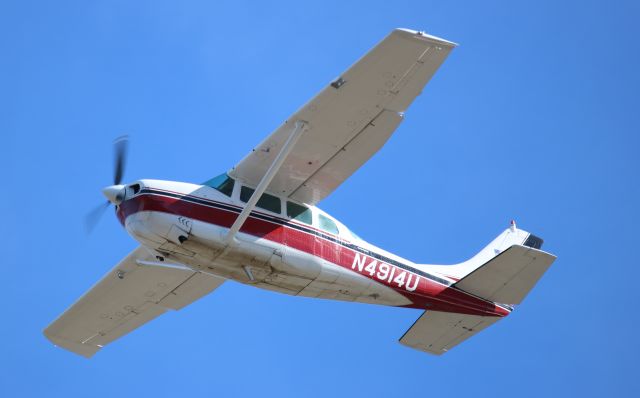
column 222, row 183
column 299, row 213
column 266, row 201
column 327, row 224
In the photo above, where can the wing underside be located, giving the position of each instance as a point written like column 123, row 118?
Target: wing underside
column 349, row 120
column 128, row 296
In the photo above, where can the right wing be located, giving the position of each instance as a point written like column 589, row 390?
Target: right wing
column 130, row 295
column 349, row 120
column 437, row 332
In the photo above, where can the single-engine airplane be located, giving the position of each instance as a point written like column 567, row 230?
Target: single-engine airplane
column 258, row 224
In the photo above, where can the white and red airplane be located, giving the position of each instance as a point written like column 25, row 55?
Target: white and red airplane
column 258, row 224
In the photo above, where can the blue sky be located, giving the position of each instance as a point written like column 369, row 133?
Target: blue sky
column 533, row 117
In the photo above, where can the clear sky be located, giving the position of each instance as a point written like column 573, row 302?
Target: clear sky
column 533, row 117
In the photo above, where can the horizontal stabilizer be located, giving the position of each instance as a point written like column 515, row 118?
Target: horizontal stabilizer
column 437, row 332
column 508, row 277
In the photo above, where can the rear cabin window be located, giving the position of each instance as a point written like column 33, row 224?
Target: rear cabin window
column 222, row 183
column 327, row 224
column 266, row 201
column 299, row 213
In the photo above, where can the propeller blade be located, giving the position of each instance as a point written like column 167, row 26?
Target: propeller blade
column 120, row 146
column 92, row 218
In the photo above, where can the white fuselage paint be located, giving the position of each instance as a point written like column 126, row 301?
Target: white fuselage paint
column 259, row 262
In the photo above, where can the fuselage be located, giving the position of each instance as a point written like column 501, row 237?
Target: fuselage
column 308, row 256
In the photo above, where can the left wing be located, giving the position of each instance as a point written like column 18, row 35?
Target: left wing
column 130, row 295
column 349, row 120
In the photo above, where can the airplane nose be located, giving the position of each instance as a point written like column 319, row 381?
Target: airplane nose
column 114, row 193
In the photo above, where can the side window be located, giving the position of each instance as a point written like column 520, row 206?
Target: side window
column 266, row 201
column 222, row 183
column 299, row 213
column 327, row 224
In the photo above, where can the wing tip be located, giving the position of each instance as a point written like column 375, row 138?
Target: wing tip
column 83, row 350
column 423, row 35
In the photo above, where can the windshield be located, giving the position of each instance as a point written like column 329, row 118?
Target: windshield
column 222, row 183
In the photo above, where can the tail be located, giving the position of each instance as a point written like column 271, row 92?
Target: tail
column 511, row 236
column 503, row 272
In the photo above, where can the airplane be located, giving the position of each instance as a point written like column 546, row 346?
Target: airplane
column 258, row 224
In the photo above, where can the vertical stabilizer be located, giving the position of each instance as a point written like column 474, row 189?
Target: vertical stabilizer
column 511, row 236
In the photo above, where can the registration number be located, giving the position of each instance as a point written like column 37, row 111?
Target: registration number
column 385, row 272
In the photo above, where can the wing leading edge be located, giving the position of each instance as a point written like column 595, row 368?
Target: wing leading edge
column 349, row 120
column 128, row 296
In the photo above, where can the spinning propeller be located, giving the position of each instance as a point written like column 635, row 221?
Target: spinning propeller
column 115, row 192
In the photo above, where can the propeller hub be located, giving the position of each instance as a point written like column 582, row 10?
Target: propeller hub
column 114, row 193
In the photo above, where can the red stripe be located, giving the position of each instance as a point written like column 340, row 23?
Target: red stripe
column 427, row 295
